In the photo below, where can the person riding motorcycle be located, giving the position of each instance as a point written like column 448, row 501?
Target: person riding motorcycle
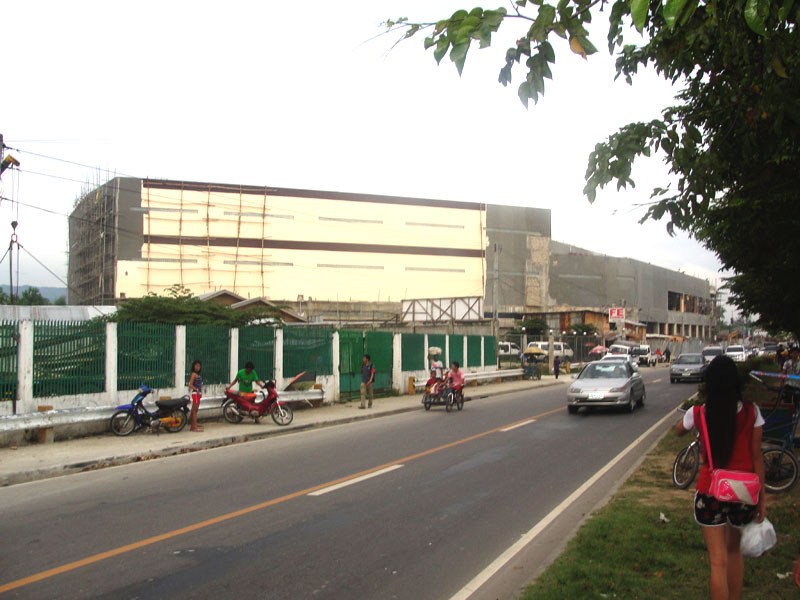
column 455, row 378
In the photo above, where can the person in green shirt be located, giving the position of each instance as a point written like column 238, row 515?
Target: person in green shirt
column 246, row 377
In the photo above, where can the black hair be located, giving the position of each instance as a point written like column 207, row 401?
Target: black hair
column 368, row 357
column 458, row 366
column 197, row 362
column 723, row 392
column 249, row 365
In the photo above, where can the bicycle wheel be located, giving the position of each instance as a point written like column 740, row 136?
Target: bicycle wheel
column 780, row 470
column 123, row 423
column 448, row 401
column 686, row 465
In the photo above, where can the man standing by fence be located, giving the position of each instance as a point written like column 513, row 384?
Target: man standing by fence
column 367, row 379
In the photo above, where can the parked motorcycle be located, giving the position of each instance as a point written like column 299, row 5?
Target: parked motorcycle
column 171, row 414
column 237, row 406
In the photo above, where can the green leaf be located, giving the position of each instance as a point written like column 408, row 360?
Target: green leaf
column 441, row 48
column 524, row 92
column 547, row 51
column 639, row 13
column 429, row 41
column 459, row 54
column 755, row 13
column 476, row 12
column 689, row 12
column 672, row 11
column 785, row 9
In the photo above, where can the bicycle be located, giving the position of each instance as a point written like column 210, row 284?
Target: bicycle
column 686, row 465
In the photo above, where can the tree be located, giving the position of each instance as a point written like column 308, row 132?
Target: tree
column 60, row 301
column 534, row 325
column 32, row 297
column 732, row 140
column 179, row 307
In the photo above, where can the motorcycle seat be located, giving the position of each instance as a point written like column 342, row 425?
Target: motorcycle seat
column 171, row 402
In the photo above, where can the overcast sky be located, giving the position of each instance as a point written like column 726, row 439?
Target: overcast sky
column 300, row 95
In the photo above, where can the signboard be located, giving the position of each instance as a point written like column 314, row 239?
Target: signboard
column 439, row 310
column 616, row 314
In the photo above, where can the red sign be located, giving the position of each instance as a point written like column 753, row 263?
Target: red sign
column 616, row 314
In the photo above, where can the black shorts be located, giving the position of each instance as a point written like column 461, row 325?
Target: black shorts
column 711, row 512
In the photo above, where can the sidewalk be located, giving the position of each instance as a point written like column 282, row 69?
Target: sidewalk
column 33, row 462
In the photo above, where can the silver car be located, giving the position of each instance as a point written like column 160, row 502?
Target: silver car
column 607, row 383
column 688, row 367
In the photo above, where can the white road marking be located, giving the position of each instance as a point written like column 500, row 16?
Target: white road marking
column 338, row 486
column 657, row 380
column 528, row 537
column 528, row 422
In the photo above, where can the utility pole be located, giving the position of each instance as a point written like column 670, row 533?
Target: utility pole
column 7, row 162
column 496, row 291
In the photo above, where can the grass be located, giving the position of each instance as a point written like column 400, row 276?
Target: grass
column 624, row 550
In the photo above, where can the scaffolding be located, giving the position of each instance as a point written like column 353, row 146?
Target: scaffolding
column 93, row 246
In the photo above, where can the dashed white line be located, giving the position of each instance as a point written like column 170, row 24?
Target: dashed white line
column 528, row 422
column 338, row 486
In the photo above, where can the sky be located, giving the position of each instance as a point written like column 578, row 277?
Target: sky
column 309, row 95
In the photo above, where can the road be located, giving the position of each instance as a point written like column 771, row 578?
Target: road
column 443, row 495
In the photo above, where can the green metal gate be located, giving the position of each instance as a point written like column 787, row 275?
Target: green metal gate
column 257, row 345
column 307, row 349
column 474, row 350
column 69, row 357
column 456, row 343
column 489, row 353
column 9, row 333
column 351, row 351
column 413, row 351
column 378, row 344
column 145, row 354
column 210, row 344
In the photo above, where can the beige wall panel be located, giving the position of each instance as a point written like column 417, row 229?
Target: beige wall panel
column 311, row 219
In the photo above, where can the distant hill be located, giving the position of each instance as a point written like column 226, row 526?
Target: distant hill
column 51, row 293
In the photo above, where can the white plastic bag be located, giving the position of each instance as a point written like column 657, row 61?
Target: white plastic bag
column 757, row 538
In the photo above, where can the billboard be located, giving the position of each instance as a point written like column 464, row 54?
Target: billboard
column 616, row 314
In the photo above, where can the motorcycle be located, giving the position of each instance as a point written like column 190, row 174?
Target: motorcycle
column 171, row 414
column 438, row 393
column 237, row 406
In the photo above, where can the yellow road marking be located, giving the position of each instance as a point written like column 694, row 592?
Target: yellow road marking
column 95, row 558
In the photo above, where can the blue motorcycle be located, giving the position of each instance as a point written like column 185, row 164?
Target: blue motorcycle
column 171, row 414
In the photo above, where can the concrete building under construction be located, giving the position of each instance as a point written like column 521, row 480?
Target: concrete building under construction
column 323, row 253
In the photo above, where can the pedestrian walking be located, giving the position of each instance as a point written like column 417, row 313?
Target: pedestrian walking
column 367, row 379
column 196, row 391
column 667, row 355
column 556, row 366
column 734, row 441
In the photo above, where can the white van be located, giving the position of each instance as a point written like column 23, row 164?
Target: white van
column 643, row 355
column 620, row 349
column 508, row 349
column 560, row 349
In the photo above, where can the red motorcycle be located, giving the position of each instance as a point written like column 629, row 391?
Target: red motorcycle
column 237, row 406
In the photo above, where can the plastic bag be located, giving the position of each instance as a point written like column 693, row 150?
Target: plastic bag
column 757, row 538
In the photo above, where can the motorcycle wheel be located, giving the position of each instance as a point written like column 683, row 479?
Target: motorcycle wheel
column 230, row 412
column 282, row 414
column 123, row 423
column 182, row 420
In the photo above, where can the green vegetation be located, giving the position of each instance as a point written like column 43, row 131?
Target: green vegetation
column 179, row 307
column 624, row 550
column 731, row 141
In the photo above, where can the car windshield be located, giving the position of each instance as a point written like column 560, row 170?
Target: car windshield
column 694, row 359
column 608, row 370
column 712, row 351
column 640, row 351
column 735, row 348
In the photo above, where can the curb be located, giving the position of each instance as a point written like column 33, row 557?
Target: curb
column 229, row 440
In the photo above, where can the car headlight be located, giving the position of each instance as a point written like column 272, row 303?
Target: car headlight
column 572, row 390
column 619, row 389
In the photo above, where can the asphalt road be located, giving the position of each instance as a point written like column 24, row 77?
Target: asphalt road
column 449, row 493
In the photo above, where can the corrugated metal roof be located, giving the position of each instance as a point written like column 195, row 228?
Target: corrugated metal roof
column 53, row 313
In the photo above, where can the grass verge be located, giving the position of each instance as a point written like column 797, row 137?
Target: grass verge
column 624, row 550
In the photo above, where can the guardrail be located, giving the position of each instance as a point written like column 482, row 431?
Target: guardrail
column 73, row 416
column 483, row 376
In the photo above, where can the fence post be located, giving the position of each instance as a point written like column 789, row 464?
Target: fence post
column 111, row 361
column 425, row 353
column 446, row 351
column 234, row 354
column 180, row 358
column 483, row 352
column 278, row 356
column 25, row 367
column 464, row 357
column 397, row 362
column 335, row 360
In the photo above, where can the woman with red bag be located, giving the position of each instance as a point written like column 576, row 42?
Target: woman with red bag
column 734, row 434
